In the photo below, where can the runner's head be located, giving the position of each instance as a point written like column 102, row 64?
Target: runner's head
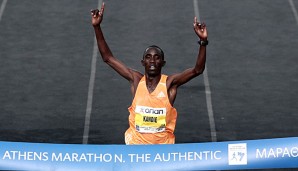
column 153, row 60
column 155, row 47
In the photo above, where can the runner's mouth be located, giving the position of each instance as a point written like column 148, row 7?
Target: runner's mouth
column 152, row 67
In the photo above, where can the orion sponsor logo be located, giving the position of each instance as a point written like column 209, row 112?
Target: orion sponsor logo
column 149, row 110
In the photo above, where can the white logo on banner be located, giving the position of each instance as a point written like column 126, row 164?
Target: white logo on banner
column 237, row 154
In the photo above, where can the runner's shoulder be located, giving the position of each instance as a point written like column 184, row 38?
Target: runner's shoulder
column 137, row 76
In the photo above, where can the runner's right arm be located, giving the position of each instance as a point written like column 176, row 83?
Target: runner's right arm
column 106, row 54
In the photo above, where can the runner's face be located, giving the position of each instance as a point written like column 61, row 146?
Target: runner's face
column 153, row 61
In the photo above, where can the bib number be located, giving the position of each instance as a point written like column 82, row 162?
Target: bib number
column 150, row 120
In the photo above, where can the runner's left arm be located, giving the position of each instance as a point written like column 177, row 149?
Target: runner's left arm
column 185, row 76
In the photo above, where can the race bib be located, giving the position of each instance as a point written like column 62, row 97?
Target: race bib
column 150, row 120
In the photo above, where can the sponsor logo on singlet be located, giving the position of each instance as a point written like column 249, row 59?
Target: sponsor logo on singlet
column 161, row 95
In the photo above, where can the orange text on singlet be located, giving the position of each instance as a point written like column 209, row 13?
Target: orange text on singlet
column 152, row 118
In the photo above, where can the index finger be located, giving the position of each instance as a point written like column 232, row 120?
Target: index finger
column 195, row 20
column 196, row 23
column 102, row 8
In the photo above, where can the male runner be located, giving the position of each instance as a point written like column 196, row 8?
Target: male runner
column 152, row 116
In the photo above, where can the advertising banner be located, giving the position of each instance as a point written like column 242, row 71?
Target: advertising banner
column 231, row 155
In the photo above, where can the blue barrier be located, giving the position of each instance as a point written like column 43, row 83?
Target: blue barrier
column 232, row 155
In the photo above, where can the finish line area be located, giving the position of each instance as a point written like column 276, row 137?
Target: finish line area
column 232, row 155
column 62, row 108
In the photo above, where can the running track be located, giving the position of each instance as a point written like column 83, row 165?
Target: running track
column 54, row 88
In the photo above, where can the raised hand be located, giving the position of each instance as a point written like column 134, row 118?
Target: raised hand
column 97, row 15
column 200, row 29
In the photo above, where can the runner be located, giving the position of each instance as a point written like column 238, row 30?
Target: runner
column 152, row 118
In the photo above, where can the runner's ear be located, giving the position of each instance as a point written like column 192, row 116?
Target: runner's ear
column 143, row 63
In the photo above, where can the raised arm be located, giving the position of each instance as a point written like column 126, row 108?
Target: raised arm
column 106, row 54
column 181, row 78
